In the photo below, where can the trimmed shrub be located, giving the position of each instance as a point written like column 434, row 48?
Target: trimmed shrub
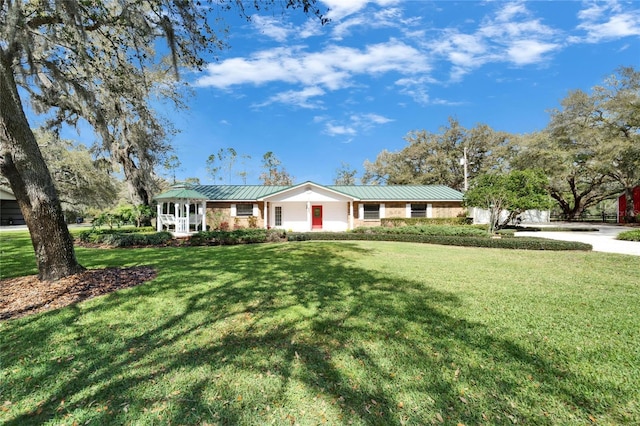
column 468, row 241
column 125, row 239
column 92, row 234
column 413, row 221
column 237, row 236
column 553, row 229
column 425, row 230
column 629, row 235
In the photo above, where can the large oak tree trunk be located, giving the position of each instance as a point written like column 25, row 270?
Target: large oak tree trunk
column 21, row 162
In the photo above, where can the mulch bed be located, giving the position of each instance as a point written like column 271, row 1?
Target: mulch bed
column 24, row 296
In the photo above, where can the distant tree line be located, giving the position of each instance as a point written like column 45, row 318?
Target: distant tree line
column 589, row 151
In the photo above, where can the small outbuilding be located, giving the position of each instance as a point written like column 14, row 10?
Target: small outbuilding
column 622, row 205
column 10, row 213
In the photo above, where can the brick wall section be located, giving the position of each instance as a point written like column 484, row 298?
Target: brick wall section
column 221, row 212
column 447, row 209
column 399, row 209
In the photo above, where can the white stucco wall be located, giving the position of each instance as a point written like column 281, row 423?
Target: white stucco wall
column 334, row 217
column 294, row 203
column 295, row 218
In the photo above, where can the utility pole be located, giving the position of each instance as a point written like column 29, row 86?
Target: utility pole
column 463, row 162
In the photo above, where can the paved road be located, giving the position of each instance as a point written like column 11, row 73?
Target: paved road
column 602, row 240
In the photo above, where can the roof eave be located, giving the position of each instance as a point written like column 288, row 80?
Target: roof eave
column 263, row 198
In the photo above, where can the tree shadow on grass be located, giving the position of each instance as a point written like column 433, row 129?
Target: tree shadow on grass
column 295, row 333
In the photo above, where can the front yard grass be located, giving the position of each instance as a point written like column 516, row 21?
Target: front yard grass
column 332, row 333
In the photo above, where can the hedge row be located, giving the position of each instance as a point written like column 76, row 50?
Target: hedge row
column 412, row 221
column 442, row 230
column 125, row 239
column 85, row 235
column 629, row 235
column 553, row 229
column 524, row 243
column 237, row 236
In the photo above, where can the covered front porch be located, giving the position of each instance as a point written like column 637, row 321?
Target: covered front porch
column 309, row 207
column 181, row 211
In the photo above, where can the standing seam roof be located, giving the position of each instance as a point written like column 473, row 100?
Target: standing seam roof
column 362, row 192
column 400, row 192
column 237, row 192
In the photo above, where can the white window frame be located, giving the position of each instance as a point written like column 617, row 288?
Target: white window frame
column 235, row 213
column 380, row 211
column 277, row 216
column 422, row 212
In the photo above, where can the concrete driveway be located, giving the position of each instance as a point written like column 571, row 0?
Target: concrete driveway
column 602, row 240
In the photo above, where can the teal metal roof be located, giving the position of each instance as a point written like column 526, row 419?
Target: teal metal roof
column 237, row 192
column 400, row 192
column 181, row 192
column 359, row 192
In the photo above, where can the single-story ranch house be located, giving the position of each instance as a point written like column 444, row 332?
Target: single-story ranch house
column 304, row 207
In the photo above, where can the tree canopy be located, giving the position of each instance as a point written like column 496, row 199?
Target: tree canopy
column 274, row 173
column 434, row 158
column 345, row 175
column 81, row 181
column 101, row 62
column 591, row 148
column 514, row 192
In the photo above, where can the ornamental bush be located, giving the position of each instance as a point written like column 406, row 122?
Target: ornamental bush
column 629, row 235
column 524, row 243
column 95, row 235
column 425, row 230
column 237, row 236
column 413, row 221
column 125, row 238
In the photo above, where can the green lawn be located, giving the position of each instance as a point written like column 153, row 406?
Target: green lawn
column 332, row 333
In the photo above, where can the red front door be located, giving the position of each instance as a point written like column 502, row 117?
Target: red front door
column 316, row 217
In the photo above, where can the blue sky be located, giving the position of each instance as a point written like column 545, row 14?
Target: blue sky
column 318, row 96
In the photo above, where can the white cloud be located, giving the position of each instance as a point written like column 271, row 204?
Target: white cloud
column 355, row 124
column 415, row 87
column 271, row 27
column 510, row 35
column 341, row 8
column 348, row 14
column 301, row 98
column 334, row 68
column 607, row 21
column 524, row 52
column 337, row 130
column 310, row 29
column 372, row 118
column 282, row 31
column 511, row 10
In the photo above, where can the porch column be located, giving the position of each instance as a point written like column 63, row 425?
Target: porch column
column 351, row 215
column 176, row 216
column 266, row 216
column 187, row 214
column 309, row 224
column 158, row 221
column 204, row 216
